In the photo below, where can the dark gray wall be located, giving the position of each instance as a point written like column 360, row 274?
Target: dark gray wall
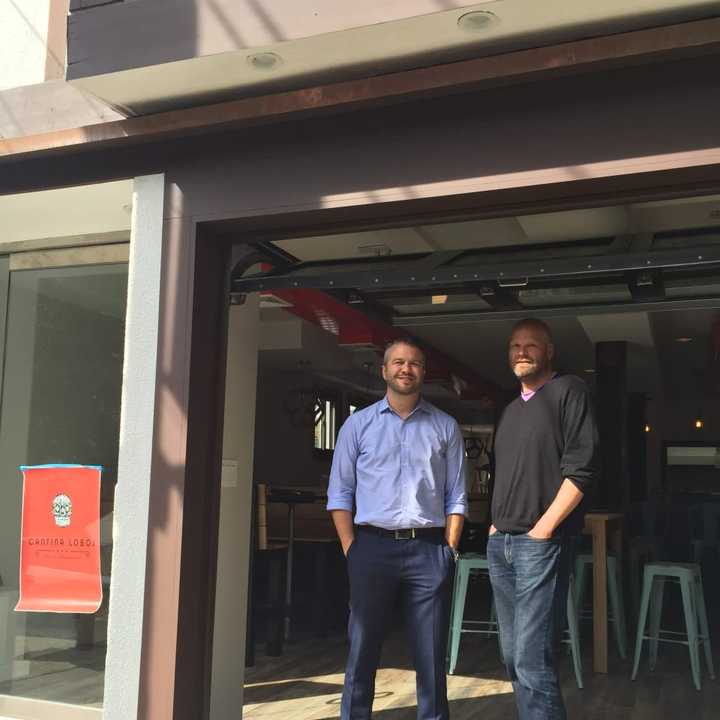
column 106, row 37
column 77, row 5
column 476, row 144
column 463, row 145
column 284, row 453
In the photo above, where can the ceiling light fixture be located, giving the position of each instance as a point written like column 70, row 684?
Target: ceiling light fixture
column 477, row 21
column 589, row 370
column 683, row 339
column 265, row 61
column 647, row 428
column 439, row 299
column 699, row 424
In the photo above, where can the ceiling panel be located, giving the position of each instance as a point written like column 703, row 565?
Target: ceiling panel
column 524, row 230
column 496, row 232
column 674, row 214
column 575, row 224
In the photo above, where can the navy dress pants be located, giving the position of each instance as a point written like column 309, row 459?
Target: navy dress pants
column 419, row 572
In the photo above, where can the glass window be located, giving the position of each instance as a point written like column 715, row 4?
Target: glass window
column 60, row 404
column 325, row 430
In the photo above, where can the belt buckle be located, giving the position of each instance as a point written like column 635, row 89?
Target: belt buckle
column 405, row 534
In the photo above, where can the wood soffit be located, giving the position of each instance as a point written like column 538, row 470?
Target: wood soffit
column 637, row 47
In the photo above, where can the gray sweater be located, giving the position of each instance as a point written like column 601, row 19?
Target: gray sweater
column 539, row 443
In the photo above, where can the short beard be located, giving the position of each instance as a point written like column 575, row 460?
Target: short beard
column 400, row 390
column 536, row 372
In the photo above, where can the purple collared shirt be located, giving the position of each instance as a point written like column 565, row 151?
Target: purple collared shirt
column 527, row 395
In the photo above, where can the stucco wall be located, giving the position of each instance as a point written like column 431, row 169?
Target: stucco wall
column 136, row 449
column 31, row 48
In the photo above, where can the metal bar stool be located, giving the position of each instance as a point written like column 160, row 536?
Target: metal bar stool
column 615, row 592
column 470, row 563
column 689, row 577
column 573, row 632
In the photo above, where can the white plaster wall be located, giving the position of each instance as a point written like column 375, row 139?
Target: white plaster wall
column 23, row 42
column 235, row 513
column 132, row 495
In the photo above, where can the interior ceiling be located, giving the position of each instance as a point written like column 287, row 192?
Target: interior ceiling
column 566, row 226
column 655, row 357
column 366, row 42
column 663, row 367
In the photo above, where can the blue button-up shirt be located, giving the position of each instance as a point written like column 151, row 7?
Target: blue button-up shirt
column 399, row 473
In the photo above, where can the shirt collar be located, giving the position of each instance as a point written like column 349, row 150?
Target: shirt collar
column 527, row 395
column 422, row 406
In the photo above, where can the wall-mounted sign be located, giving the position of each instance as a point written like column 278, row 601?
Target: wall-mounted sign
column 60, row 539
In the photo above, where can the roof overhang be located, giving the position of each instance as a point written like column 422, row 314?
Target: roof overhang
column 151, row 56
column 582, row 56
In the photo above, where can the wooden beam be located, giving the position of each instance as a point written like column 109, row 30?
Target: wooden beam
column 642, row 46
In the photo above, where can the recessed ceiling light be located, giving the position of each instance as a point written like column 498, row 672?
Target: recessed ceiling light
column 477, row 21
column 265, row 61
column 683, row 339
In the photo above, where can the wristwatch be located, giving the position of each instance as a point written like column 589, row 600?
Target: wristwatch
column 455, row 553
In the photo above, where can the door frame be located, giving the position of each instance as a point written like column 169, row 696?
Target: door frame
column 217, row 247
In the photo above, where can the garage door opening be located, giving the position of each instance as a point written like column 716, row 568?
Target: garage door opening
column 632, row 294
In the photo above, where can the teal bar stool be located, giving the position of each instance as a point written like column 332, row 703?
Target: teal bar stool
column 642, row 550
column 472, row 563
column 467, row 564
column 615, row 593
column 689, row 577
column 572, row 634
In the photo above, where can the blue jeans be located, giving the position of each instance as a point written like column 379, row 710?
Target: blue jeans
column 530, row 585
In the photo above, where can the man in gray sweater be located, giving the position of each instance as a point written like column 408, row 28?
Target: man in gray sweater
column 545, row 462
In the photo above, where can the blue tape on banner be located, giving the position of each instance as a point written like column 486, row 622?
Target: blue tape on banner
column 60, row 465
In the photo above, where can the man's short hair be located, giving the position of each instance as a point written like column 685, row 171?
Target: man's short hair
column 533, row 324
column 410, row 342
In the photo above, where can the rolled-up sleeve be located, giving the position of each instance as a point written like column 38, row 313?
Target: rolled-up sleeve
column 341, row 488
column 455, row 491
column 579, row 462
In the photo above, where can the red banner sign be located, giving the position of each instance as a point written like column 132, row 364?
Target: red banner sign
column 60, row 539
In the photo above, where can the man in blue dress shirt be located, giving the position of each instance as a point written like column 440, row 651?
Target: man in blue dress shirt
column 400, row 463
